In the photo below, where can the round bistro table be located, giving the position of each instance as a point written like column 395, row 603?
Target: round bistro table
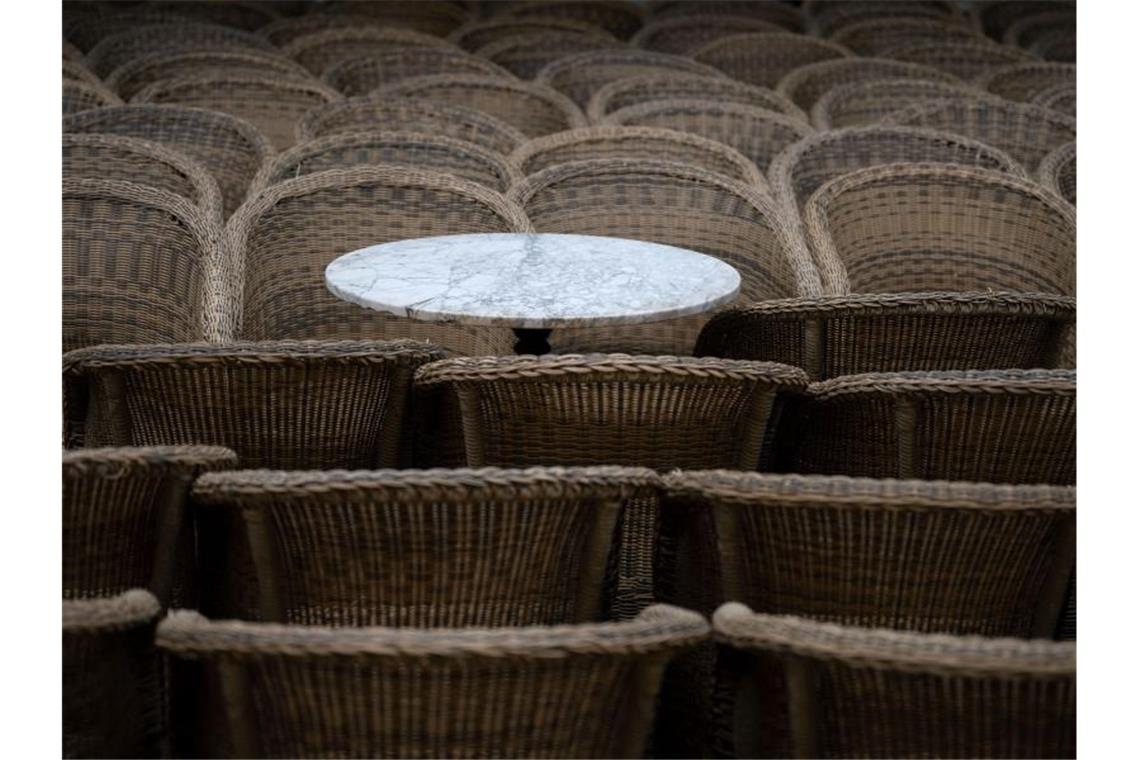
column 532, row 282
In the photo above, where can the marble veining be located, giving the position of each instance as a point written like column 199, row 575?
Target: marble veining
column 532, row 280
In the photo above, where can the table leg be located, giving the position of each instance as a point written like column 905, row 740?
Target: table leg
column 532, row 341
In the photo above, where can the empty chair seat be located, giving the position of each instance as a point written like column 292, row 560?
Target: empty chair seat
column 273, row 105
column 876, row 36
column 644, row 88
column 98, row 156
column 580, row 75
column 363, row 74
column 855, row 692
column 84, row 96
column 409, row 149
column 320, row 51
column 862, row 103
column 1061, row 98
column 621, row 19
column 807, row 84
column 682, row 35
column 138, row 73
column 482, row 32
column 533, row 109
column 361, row 114
column 992, row 426
column 231, row 149
column 117, row 49
column 1058, row 172
column 1024, row 81
column 565, row 691
column 527, row 53
column 965, row 60
column 112, row 699
column 762, row 59
column 950, row 228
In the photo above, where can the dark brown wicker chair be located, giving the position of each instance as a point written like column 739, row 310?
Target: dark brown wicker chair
column 525, row 54
column 834, row 336
column 533, row 109
column 409, row 149
column 77, row 71
column 1061, row 98
column 995, row 17
column 438, row 18
column 411, row 115
column 829, row 18
column 85, row 24
column 864, row 103
column 125, row 523
column 1058, row 172
column 273, row 105
column 1030, row 29
column 96, row 156
column 1024, row 81
column 320, row 51
column 284, row 30
column 564, row 691
column 580, row 75
column 112, row 698
column 239, row 15
column 876, row 36
column 431, row 548
column 683, row 35
column 138, row 73
column 362, row 75
column 115, row 50
column 1060, row 47
column 785, row 15
column 854, row 692
column 480, row 33
column 757, row 133
column 674, row 204
column 644, row 88
column 993, row 426
column 949, row 228
column 84, row 96
column 621, row 19
column 807, row 84
column 139, row 265
column 762, row 59
column 337, row 211
column 965, row 60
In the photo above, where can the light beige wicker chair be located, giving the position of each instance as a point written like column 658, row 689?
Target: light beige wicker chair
column 863, row 103
column 965, row 60
column 828, row 18
column 138, row 73
column 1029, row 29
column 763, row 59
column 580, row 75
column 533, row 109
column 524, row 55
column 636, row 143
column 320, row 51
column 84, row 96
column 644, row 88
column 115, row 50
column 483, row 32
column 231, row 149
column 1024, row 81
column 439, row 18
column 139, row 265
column 273, row 105
column 786, row 16
column 564, row 691
column 950, row 228
column 682, row 35
column 621, row 19
column 363, row 75
column 361, row 114
column 1023, row 131
column 807, row 84
column 1058, row 172
column 96, row 156
column 757, row 133
column 1062, row 99
column 674, row 204
column 875, row 36
column 337, row 211
column 857, row 692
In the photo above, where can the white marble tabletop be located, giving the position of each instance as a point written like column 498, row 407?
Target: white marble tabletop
column 532, row 280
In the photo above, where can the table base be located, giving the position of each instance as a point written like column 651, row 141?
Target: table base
column 532, row 341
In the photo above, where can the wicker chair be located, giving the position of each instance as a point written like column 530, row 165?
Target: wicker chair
column 437, row 18
column 76, row 71
column 431, row 548
column 682, row 35
column 784, row 15
column 862, row 103
column 362, row 75
column 125, row 524
column 284, row 30
column 759, row 134
column 1058, row 172
column 762, row 59
column 807, row 84
column 1062, row 99
column 72, row 53
column 137, row 73
column 271, row 104
column 833, row 336
column 83, row 96
column 636, row 143
column 854, row 692
column 951, row 228
column 1026, row 31
column 1060, row 47
column 875, row 36
column 674, row 204
column 86, row 24
column 97, row 156
column 645, row 88
column 830, row 18
column 482, row 32
column 1023, row 131
column 330, row 213
column 410, row 149
column 580, row 75
column 231, row 149
column 965, row 60
column 320, row 51
column 362, row 114
column 533, row 109
column 1024, row 81
column 621, row 19
column 111, row 678
column 249, row 16
column 139, row 265
column 115, row 50
column 564, row 691
column 992, row 426
column 524, row 55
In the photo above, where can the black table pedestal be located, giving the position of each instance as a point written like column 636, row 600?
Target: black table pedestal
column 532, row 341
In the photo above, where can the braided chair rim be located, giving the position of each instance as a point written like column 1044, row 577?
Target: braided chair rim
column 987, row 80
column 80, row 73
column 299, row 46
column 337, row 73
column 229, row 38
column 656, row 24
column 548, row 23
column 111, row 459
column 1026, row 110
column 763, row 41
column 938, row 654
column 1051, row 382
column 797, row 76
column 619, row 56
column 1049, row 171
column 295, row 86
column 412, row 86
column 658, row 628
column 843, row 33
column 953, row 302
column 1013, row 32
column 129, row 609
column 493, row 49
column 1048, row 97
column 983, row 48
column 821, row 112
column 691, row 105
column 596, row 109
column 298, row 153
column 129, row 68
column 96, row 90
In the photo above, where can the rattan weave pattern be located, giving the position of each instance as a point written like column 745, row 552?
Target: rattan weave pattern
column 438, row 19
column 1024, row 81
column 1058, row 172
column 580, row 75
column 682, row 35
column 320, row 51
column 84, row 96
column 784, row 15
column 621, row 19
column 138, row 73
column 805, row 85
column 875, row 36
column 965, row 60
column 644, row 88
column 1062, row 98
column 862, row 103
column 363, row 74
column 480, row 33
column 117, row 49
column 762, row 59
column 526, row 54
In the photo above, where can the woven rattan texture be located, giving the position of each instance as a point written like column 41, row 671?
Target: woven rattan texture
column 1058, row 172
column 475, row 35
column 644, row 88
column 684, row 35
column 580, row 75
column 361, row 75
column 138, row 73
column 115, row 50
column 763, row 59
column 807, row 84
column 863, row 103
column 621, row 19
column 527, row 53
column 321, row 51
